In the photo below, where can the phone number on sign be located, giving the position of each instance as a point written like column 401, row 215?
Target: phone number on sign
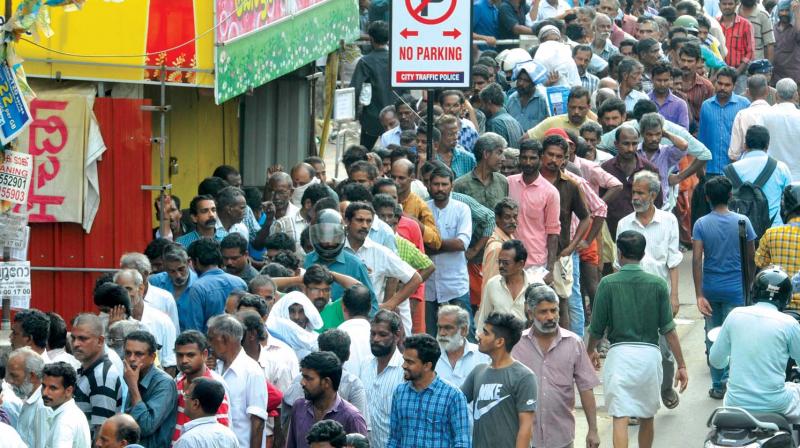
column 12, row 181
column 11, row 194
column 15, row 292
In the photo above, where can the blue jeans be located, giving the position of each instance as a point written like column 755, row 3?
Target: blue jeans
column 576, row 317
column 719, row 312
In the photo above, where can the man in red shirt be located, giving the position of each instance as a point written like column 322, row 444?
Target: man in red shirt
column 739, row 40
column 191, row 352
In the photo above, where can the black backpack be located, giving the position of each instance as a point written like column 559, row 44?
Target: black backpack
column 748, row 198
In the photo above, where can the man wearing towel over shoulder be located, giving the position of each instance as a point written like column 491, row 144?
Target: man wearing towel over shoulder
column 633, row 307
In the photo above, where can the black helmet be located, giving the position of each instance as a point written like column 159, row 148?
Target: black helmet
column 772, row 285
column 790, row 201
column 327, row 234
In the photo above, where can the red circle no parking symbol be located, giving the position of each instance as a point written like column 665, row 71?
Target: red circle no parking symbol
column 417, row 11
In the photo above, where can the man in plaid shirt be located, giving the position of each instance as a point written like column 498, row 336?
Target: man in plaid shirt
column 738, row 39
column 427, row 411
column 780, row 245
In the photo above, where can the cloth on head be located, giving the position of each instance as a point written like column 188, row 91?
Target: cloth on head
column 555, row 56
column 759, row 66
column 782, row 4
column 548, row 29
column 537, row 72
column 297, row 194
column 281, row 309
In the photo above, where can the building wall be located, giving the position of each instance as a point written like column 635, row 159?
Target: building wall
column 200, row 135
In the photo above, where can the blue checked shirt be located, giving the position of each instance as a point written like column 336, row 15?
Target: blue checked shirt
column 463, row 161
column 468, row 135
column 435, row 417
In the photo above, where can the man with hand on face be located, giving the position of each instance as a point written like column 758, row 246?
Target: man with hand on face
column 68, row 425
column 151, row 392
column 503, row 393
column 203, row 397
column 382, row 373
column 156, row 322
column 24, row 375
column 191, row 350
column 554, row 352
column 203, row 211
column 322, row 372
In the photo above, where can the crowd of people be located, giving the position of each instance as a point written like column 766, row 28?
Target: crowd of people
column 457, row 295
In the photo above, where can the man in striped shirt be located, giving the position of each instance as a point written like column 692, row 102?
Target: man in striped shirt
column 191, row 352
column 99, row 389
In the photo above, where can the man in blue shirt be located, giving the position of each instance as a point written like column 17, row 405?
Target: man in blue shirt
column 177, row 277
column 484, row 23
column 527, row 105
column 717, row 265
column 757, row 341
column 206, row 298
column 717, row 114
column 754, row 161
column 327, row 236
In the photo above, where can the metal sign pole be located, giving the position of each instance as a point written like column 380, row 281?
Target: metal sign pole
column 429, row 124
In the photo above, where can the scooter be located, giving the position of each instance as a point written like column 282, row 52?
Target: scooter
column 736, row 427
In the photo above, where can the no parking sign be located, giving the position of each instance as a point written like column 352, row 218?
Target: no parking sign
column 431, row 43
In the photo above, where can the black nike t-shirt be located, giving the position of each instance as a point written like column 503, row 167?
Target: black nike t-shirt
column 496, row 397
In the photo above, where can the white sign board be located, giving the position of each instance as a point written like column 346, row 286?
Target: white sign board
column 15, row 283
column 15, row 176
column 431, row 43
column 12, row 230
column 344, row 105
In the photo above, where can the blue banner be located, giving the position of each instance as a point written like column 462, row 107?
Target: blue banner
column 14, row 113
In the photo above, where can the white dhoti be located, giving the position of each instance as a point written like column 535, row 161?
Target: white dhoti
column 632, row 380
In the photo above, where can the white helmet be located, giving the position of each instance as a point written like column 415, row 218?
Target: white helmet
column 512, row 58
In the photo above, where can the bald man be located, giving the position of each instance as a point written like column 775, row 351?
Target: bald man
column 119, row 431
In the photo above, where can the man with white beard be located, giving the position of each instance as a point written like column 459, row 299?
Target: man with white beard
column 24, row 374
column 554, row 352
column 459, row 356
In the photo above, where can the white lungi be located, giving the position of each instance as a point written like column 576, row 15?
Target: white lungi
column 632, row 380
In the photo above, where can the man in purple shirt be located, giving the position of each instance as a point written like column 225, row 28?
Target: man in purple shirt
column 553, row 353
column 664, row 157
column 623, row 166
column 669, row 106
column 321, row 372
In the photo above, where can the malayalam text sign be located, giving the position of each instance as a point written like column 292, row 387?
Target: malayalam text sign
column 15, row 283
column 431, row 43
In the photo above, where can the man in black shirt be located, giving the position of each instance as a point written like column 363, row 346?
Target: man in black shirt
column 373, row 69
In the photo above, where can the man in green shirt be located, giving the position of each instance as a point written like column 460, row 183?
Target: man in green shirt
column 633, row 307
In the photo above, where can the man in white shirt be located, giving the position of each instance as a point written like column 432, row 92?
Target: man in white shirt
column 505, row 292
column 459, row 356
column 159, row 298
column 244, row 377
column 30, row 329
column 68, row 424
column 381, row 262
column 381, row 374
column 202, row 399
column 662, row 257
column 450, row 282
column 356, row 305
column 783, row 124
column 549, row 9
column 156, row 322
column 24, row 374
column 758, row 89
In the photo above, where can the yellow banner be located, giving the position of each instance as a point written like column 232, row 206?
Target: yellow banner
column 115, row 40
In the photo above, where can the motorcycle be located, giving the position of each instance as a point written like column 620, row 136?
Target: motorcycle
column 736, row 427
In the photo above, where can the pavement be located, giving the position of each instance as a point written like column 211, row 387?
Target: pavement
column 685, row 425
